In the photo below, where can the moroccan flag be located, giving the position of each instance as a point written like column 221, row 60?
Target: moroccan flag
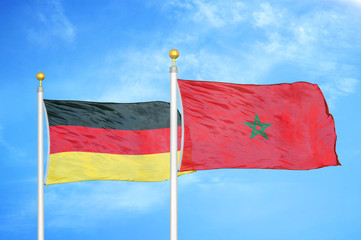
column 108, row 141
column 281, row 126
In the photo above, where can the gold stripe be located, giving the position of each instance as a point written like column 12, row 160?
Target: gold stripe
column 82, row 166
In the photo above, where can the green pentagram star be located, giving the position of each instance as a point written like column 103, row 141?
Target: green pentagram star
column 262, row 127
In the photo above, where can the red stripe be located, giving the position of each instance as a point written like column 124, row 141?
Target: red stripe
column 127, row 142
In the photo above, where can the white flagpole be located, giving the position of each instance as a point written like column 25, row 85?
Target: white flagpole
column 173, row 148
column 40, row 76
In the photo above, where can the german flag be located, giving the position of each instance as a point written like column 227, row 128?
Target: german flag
column 108, row 141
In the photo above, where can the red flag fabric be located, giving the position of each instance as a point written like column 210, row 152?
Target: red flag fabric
column 280, row 126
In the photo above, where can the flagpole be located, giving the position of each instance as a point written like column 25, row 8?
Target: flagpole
column 173, row 148
column 40, row 76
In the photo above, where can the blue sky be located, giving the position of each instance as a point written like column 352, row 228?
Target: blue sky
column 118, row 51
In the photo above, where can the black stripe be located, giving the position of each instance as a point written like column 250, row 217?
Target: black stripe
column 120, row 116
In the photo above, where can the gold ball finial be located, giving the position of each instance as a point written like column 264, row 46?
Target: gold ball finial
column 40, row 76
column 173, row 54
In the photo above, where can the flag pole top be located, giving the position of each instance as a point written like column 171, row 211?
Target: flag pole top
column 40, row 76
column 173, row 54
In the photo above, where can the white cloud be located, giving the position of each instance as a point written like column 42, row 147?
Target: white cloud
column 304, row 34
column 52, row 24
column 133, row 75
column 268, row 16
column 218, row 15
column 85, row 204
column 189, row 179
column 242, row 197
column 14, row 151
column 214, row 14
column 347, row 85
column 337, row 88
column 283, row 37
column 352, row 2
column 18, row 221
column 311, row 42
